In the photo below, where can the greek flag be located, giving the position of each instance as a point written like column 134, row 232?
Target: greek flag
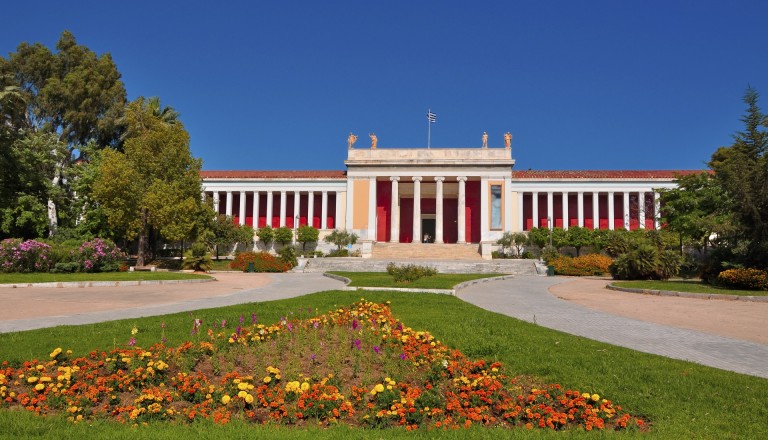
column 431, row 116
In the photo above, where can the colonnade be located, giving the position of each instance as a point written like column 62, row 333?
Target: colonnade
column 270, row 203
column 641, row 214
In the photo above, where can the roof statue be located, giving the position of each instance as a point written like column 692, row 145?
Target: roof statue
column 507, row 140
column 374, row 140
column 351, row 140
column 485, row 139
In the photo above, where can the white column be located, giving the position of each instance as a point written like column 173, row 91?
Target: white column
column 310, row 208
column 641, row 209
column 565, row 210
column 550, row 210
column 270, row 207
column 656, row 210
column 439, row 209
column 241, row 212
column 229, row 204
column 283, row 202
column 324, row 210
column 611, row 212
column 296, row 208
column 520, row 217
column 460, row 218
column 535, row 209
column 485, row 206
column 580, row 208
column 216, row 202
column 394, row 212
column 626, row 210
column 337, row 212
column 255, row 210
column 372, row 208
column 417, row 209
column 595, row 210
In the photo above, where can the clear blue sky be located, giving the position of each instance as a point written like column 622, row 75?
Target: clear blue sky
column 280, row 84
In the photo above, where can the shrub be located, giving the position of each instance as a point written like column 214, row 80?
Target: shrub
column 409, row 272
column 744, row 279
column 549, row 253
column 262, row 262
column 646, row 263
column 338, row 253
column 197, row 258
column 288, row 254
column 69, row 267
column 341, row 238
column 24, row 256
column 585, row 265
column 99, row 255
column 283, row 235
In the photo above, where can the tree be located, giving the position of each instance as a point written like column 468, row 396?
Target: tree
column 307, row 234
column 154, row 183
column 71, row 94
column 697, row 210
column 222, row 232
column 283, row 235
column 341, row 238
column 578, row 238
column 266, row 235
column 516, row 241
column 742, row 172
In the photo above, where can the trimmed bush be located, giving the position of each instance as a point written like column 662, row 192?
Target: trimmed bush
column 743, row 279
column 262, row 262
column 585, row 265
column 409, row 272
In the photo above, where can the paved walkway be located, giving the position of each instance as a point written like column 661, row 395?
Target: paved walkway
column 526, row 298
column 529, row 299
column 40, row 307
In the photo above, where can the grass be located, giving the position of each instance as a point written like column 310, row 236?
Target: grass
column 383, row 279
column 221, row 265
column 13, row 278
column 687, row 286
column 682, row 399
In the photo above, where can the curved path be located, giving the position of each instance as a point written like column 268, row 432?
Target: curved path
column 529, row 299
column 39, row 307
column 525, row 298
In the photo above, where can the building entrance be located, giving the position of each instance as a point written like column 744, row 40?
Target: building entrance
column 427, row 230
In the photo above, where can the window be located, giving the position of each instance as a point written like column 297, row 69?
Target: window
column 496, row 207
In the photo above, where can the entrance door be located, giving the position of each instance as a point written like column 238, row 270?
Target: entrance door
column 428, row 230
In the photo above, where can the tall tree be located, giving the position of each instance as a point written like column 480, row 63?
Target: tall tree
column 742, row 171
column 72, row 93
column 153, row 183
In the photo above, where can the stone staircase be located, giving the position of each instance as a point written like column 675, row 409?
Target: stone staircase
column 514, row 267
column 425, row 251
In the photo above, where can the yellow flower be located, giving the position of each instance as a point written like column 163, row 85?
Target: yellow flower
column 248, row 398
column 39, row 387
column 379, row 388
column 242, row 386
column 55, row 352
column 242, row 394
column 304, row 386
column 134, row 330
column 267, row 379
column 225, row 399
column 32, row 379
column 595, row 397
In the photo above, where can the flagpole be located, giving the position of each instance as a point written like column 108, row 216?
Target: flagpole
column 429, row 128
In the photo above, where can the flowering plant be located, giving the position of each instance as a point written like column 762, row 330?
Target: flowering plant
column 99, row 255
column 24, row 256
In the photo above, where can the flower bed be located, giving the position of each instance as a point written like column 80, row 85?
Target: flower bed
column 585, row 265
column 355, row 365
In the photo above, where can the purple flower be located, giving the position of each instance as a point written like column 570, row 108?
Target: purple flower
column 402, row 356
column 316, row 325
column 357, row 344
column 239, row 329
column 377, row 349
column 164, row 340
column 223, row 323
column 132, row 342
column 290, row 327
column 242, row 319
column 354, row 324
column 253, row 318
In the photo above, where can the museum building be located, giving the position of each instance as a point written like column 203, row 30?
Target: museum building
column 438, row 195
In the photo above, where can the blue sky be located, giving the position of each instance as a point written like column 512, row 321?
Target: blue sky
column 580, row 85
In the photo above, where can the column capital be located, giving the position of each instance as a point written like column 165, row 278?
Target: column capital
column 461, row 178
column 416, row 178
column 439, row 179
column 394, row 178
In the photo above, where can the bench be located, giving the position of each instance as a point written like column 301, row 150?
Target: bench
column 142, row 268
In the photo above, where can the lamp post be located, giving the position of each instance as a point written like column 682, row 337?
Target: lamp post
column 295, row 229
column 549, row 224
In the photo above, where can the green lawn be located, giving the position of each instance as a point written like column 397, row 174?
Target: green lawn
column 686, row 286
column 12, row 278
column 683, row 400
column 383, row 279
column 221, row 265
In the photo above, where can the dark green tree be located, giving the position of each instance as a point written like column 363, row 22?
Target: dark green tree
column 741, row 170
column 283, row 235
column 306, row 234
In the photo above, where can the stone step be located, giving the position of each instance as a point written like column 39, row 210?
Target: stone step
column 350, row 264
